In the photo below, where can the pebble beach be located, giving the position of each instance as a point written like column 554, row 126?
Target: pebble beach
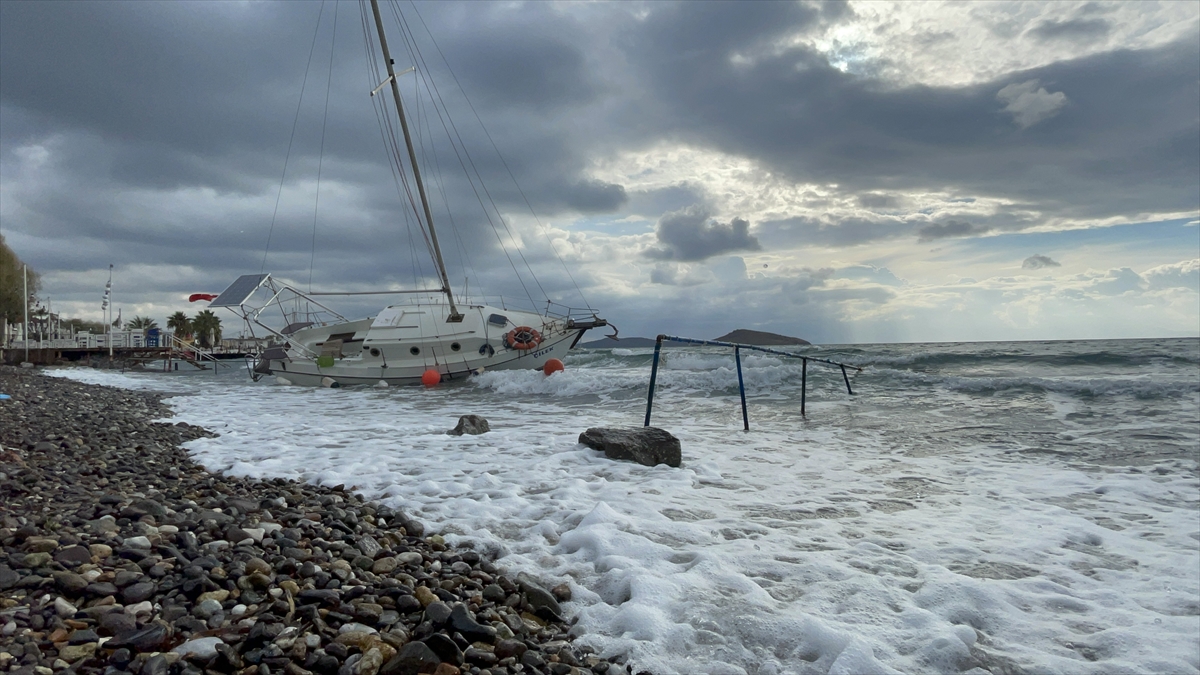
column 119, row 554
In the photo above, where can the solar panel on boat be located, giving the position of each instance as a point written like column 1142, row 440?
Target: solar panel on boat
column 241, row 289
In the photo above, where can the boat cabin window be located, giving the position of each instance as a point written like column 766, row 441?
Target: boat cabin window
column 414, row 351
column 454, row 346
column 498, row 319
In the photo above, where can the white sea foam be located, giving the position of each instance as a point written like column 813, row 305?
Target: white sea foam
column 906, row 530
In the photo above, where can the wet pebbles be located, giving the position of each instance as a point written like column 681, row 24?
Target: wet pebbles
column 118, row 555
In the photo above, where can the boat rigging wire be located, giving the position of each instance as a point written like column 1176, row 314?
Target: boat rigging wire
column 321, row 155
column 400, row 171
column 382, row 119
column 435, row 95
column 435, row 177
column 292, row 137
column 391, row 143
column 499, row 154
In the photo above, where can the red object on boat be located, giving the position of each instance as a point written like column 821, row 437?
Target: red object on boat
column 202, row 296
column 431, row 377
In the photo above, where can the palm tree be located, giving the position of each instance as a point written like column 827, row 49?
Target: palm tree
column 208, row 328
column 180, row 324
column 142, row 323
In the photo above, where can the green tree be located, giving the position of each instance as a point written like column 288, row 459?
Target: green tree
column 180, row 324
column 12, row 284
column 142, row 323
column 207, row 328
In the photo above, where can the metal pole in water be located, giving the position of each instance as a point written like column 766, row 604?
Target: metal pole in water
column 803, row 382
column 847, row 379
column 653, row 377
column 737, row 357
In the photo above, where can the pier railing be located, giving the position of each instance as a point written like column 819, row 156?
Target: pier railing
column 737, row 357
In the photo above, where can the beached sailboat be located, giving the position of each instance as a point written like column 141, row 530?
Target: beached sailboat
column 402, row 343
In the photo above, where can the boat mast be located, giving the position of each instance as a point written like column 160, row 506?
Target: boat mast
column 412, row 158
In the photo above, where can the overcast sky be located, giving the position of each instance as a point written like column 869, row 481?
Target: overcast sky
column 841, row 172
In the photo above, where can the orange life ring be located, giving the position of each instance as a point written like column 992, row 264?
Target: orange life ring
column 523, row 338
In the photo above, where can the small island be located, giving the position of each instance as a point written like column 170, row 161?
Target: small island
column 760, row 338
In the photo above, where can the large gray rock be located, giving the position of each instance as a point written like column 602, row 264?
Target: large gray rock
column 8, row 578
column 413, row 658
column 541, row 601
column 470, row 424
column 645, row 445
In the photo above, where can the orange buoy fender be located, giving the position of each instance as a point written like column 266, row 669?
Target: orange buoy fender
column 523, row 338
column 553, row 366
column 430, row 377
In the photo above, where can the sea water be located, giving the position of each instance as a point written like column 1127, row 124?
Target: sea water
column 1027, row 507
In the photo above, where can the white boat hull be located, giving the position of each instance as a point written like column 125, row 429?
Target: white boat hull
column 401, row 344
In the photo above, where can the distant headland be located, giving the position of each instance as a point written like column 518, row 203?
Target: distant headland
column 761, row 338
column 741, row 336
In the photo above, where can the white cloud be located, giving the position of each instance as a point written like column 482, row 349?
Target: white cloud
column 1115, row 282
column 958, row 43
column 872, row 301
column 736, row 186
column 1184, row 274
column 1029, row 104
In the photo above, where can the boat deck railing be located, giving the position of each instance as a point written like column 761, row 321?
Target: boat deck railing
column 189, row 352
column 737, row 356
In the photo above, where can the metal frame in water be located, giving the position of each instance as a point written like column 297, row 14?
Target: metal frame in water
column 737, row 356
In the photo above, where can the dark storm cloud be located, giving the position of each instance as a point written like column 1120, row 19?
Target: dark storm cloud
column 594, row 196
column 205, row 94
column 167, row 124
column 537, row 71
column 1037, row 262
column 1125, row 141
column 692, row 234
column 170, row 79
column 196, row 107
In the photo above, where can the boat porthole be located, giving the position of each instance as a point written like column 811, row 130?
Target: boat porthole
column 374, row 351
column 414, row 351
column 454, row 346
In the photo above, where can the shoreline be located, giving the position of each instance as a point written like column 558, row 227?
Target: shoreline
column 119, row 554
